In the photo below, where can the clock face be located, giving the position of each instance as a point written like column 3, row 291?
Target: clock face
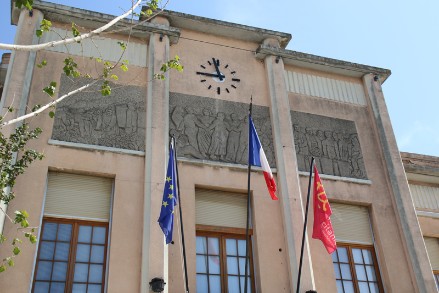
column 218, row 76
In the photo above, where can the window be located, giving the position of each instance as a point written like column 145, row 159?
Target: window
column 72, row 250
column 221, row 263
column 71, row 256
column 432, row 246
column 355, row 269
column 220, row 244
column 355, row 264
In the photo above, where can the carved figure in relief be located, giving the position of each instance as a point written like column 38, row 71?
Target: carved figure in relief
column 83, row 119
column 97, row 116
column 190, row 125
column 330, row 147
column 185, row 149
column 217, row 135
column 345, row 154
column 265, row 137
column 131, row 122
column 242, row 155
column 110, row 121
column 337, row 152
column 66, row 119
column 218, row 146
column 204, row 135
column 301, row 146
column 357, row 159
column 233, row 140
column 177, row 116
column 314, row 144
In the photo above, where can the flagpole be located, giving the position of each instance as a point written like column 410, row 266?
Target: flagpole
column 181, row 215
column 304, row 225
column 248, row 200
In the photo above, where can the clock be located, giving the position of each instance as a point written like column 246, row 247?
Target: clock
column 218, row 76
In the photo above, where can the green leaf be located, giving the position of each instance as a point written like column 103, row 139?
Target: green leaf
column 10, row 109
column 2, row 268
column 122, row 45
column 75, row 30
column 105, row 89
column 124, row 67
column 114, row 76
column 44, row 27
column 42, row 64
column 2, row 238
column 36, row 107
column 10, row 262
column 26, row 3
column 99, row 60
column 70, row 67
column 20, row 218
column 33, row 239
column 51, row 114
column 50, row 90
column 16, row 240
column 16, row 250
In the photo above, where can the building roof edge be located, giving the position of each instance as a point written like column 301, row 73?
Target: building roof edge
column 322, row 63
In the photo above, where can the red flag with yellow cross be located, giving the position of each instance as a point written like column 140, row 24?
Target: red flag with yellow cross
column 322, row 212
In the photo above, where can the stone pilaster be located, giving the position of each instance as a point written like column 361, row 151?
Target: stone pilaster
column 289, row 193
column 19, row 76
column 422, row 276
column 154, row 250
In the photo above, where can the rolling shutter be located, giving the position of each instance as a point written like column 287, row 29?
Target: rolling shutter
column 432, row 245
column 78, row 196
column 351, row 223
column 220, row 208
column 425, row 197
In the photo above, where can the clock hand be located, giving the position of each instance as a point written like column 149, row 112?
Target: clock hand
column 217, row 69
column 220, row 76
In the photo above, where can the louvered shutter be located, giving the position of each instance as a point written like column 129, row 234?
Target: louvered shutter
column 78, row 196
column 425, row 197
column 432, row 245
column 351, row 223
column 220, row 208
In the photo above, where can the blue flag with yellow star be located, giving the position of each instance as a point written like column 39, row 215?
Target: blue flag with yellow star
column 170, row 194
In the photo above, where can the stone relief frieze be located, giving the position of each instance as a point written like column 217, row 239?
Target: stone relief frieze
column 217, row 130
column 115, row 121
column 333, row 142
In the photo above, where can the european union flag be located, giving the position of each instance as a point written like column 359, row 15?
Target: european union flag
column 170, row 197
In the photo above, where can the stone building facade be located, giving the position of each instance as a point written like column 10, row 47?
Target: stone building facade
column 97, row 195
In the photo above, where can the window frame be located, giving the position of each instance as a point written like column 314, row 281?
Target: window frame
column 436, row 277
column 349, row 247
column 72, row 250
column 224, row 233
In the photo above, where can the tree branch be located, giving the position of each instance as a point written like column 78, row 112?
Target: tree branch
column 51, row 104
column 31, row 48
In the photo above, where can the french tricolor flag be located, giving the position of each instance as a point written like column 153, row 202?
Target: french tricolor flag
column 257, row 158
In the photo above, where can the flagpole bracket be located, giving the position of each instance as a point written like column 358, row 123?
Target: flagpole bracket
column 157, row 285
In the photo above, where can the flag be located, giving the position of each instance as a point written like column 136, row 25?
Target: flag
column 170, row 196
column 257, row 158
column 322, row 212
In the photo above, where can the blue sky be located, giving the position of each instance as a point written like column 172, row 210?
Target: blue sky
column 402, row 36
